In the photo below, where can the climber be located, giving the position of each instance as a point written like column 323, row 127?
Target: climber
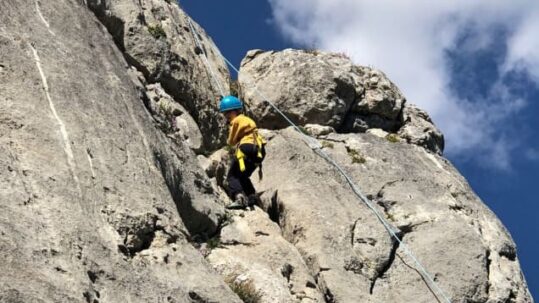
column 249, row 152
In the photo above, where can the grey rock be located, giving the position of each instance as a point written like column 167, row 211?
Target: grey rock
column 418, row 129
column 173, row 118
column 456, row 237
column 102, row 195
column 381, row 96
column 216, row 165
column 308, row 87
column 360, row 123
column 155, row 37
column 377, row 132
column 318, row 130
column 216, row 168
column 96, row 202
column 251, row 247
column 313, row 87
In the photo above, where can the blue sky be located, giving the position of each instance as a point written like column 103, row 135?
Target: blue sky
column 473, row 65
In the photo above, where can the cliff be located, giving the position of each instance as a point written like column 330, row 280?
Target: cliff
column 111, row 173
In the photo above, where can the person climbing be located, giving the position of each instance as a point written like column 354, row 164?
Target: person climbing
column 249, row 152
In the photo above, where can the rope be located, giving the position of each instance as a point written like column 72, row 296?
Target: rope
column 317, row 148
column 205, row 56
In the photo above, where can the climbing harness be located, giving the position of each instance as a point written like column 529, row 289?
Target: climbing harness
column 315, row 145
column 259, row 143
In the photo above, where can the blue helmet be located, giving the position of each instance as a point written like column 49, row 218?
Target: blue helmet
column 230, row 103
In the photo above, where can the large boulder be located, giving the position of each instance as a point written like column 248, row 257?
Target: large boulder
column 309, row 87
column 313, row 87
column 96, row 203
column 379, row 106
column 155, row 36
column 436, row 214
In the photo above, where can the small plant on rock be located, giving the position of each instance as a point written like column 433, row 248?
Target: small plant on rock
column 168, row 123
column 213, row 243
column 327, row 144
column 356, row 157
column 244, row 289
column 227, row 219
column 157, row 31
column 393, row 138
column 312, row 51
column 304, row 130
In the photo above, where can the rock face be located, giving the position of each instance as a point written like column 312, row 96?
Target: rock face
column 307, row 88
column 460, row 241
column 97, row 204
column 252, row 248
column 313, row 87
column 155, row 37
column 110, row 189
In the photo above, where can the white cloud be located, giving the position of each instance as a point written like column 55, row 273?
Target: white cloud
column 409, row 41
column 524, row 46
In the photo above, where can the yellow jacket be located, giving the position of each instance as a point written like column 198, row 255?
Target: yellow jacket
column 243, row 130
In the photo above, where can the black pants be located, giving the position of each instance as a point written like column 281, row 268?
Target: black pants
column 239, row 181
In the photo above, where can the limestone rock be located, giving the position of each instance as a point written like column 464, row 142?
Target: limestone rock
column 313, row 87
column 173, row 117
column 382, row 97
column 252, row 247
column 155, row 37
column 377, row 132
column 437, row 215
column 418, row 129
column 309, row 87
column 216, row 168
column 216, row 165
column 102, row 198
column 96, row 203
column 318, row 130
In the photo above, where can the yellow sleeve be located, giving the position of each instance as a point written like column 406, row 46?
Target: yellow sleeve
column 233, row 133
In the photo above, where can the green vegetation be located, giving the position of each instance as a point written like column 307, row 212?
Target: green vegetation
column 245, row 290
column 157, row 31
column 356, row 157
column 214, row 242
column 312, row 51
column 167, row 124
column 327, row 144
column 303, row 130
column 393, row 138
column 225, row 220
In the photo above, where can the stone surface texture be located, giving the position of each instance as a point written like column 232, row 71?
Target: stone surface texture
column 252, row 247
column 313, row 87
column 438, row 217
column 97, row 203
column 112, row 173
column 156, row 37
